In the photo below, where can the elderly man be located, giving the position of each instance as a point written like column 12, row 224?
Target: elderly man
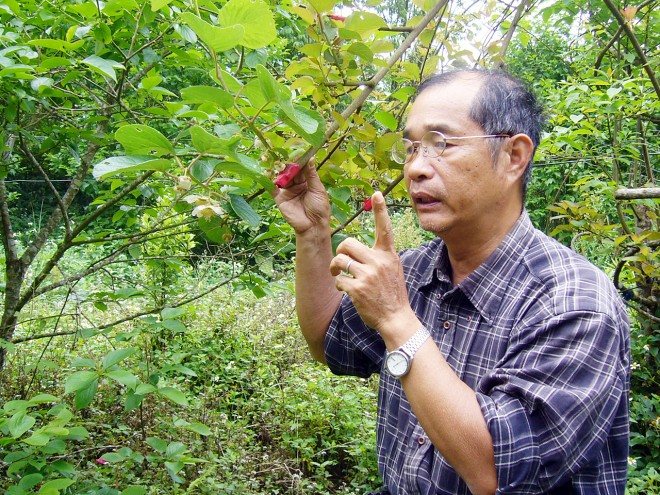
column 503, row 355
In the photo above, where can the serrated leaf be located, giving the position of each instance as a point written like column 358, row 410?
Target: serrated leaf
column 174, row 395
column 129, row 163
column 174, row 449
column 103, row 66
column 243, row 209
column 219, row 39
column 138, row 139
column 256, row 19
column 19, row 423
column 116, row 356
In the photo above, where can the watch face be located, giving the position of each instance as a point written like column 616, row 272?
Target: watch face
column 397, row 363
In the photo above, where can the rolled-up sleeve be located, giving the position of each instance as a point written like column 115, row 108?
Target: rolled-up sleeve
column 551, row 401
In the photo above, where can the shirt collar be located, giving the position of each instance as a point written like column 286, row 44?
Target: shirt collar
column 485, row 286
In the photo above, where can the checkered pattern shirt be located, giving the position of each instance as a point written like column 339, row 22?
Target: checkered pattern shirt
column 541, row 336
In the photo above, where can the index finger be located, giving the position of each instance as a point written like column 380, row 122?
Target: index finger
column 384, row 232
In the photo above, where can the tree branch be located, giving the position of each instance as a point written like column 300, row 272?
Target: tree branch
column 638, row 48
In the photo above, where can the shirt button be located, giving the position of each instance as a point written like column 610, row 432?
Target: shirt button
column 421, row 440
column 446, row 325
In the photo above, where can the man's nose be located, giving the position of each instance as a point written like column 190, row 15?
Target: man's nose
column 420, row 166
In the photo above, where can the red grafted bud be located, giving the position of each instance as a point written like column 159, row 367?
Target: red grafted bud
column 367, row 204
column 336, row 17
column 286, row 176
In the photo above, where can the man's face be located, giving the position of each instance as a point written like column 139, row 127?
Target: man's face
column 459, row 192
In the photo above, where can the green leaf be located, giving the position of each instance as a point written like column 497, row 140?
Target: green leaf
column 20, row 423
column 171, row 313
column 138, row 139
column 29, row 481
column 204, row 142
column 175, row 449
column 308, row 123
column 271, row 89
column 79, row 380
column 243, row 209
column 103, row 66
column 174, row 325
column 207, row 94
column 388, row 120
column 219, row 39
column 322, row 5
column 132, row 400
column 113, row 457
column 124, row 377
column 362, row 51
column 215, row 229
column 129, row 163
column 364, row 23
column 134, row 490
column 157, row 5
column 116, row 356
column 55, row 44
column 256, row 19
column 158, row 444
column 37, row 439
column 85, row 396
column 174, row 395
column 56, row 485
column 199, row 428
column 43, row 398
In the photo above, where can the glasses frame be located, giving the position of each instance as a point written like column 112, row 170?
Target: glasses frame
column 416, row 145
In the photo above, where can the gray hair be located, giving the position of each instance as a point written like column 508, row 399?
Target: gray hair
column 504, row 105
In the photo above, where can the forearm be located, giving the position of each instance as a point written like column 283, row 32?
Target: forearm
column 317, row 298
column 450, row 414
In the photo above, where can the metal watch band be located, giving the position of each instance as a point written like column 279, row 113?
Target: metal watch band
column 415, row 342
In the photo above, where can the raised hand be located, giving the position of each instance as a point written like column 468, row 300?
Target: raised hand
column 376, row 283
column 304, row 201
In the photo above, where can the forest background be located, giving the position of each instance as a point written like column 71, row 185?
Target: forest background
column 148, row 342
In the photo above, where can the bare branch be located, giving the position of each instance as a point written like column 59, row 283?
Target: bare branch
column 637, row 193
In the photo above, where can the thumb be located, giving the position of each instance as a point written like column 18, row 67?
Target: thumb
column 384, row 233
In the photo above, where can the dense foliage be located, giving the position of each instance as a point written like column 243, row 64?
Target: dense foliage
column 139, row 143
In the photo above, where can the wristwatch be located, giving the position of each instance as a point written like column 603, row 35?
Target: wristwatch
column 397, row 363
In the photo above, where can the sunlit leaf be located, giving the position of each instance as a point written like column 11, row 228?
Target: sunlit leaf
column 256, row 19
column 122, row 164
column 219, row 39
column 138, row 139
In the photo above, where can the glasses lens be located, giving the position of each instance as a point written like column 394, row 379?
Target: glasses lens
column 434, row 143
column 402, row 150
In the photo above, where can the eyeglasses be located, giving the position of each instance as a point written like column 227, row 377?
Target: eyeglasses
column 433, row 144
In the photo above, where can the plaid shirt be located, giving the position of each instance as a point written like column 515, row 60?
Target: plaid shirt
column 542, row 338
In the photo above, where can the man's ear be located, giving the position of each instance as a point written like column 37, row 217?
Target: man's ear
column 520, row 149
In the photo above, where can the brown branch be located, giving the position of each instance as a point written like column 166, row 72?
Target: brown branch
column 601, row 55
column 637, row 193
column 638, row 48
column 509, row 34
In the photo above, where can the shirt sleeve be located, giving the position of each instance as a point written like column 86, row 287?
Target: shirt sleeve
column 552, row 400
column 351, row 347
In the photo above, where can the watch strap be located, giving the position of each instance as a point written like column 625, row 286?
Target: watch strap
column 415, row 342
